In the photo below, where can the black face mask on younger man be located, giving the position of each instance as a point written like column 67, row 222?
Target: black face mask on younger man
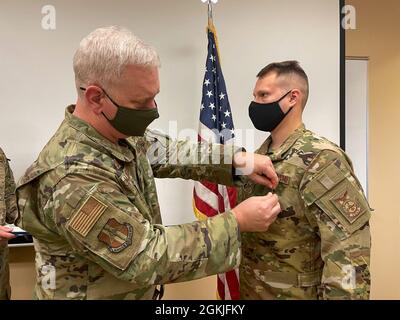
column 267, row 116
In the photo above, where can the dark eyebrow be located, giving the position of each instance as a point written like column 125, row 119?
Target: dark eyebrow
column 260, row 92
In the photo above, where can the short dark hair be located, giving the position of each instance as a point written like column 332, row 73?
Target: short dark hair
column 287, row 68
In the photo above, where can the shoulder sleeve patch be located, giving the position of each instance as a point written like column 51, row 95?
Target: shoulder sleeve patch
column 116, row 236
column 322, row 182
column 348, row 203
column 87, row 216
column 339, row 197
column 110, row 233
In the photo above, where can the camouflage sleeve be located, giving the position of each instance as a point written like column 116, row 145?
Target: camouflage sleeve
column 191, row 160
column 338, row 208
column 102, row 224
column 9, row 192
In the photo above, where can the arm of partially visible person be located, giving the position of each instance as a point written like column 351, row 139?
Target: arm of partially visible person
column 9, row 196
column 10, row 206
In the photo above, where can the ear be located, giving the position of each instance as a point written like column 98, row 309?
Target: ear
column 95, row 99
column 294, row 97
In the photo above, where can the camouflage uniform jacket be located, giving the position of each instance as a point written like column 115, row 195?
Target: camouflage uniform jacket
column 8, row 214
column 319, row 246
column 92, row 208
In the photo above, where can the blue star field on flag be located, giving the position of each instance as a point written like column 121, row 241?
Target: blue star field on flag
column 215, row 110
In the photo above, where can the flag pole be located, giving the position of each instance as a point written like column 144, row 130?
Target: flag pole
column 211, row 26
column 210, row 15
column 210, row 11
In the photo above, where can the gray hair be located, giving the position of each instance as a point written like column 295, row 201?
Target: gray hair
column 103, row 55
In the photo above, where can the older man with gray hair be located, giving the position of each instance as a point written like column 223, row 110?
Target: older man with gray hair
column 90, row 198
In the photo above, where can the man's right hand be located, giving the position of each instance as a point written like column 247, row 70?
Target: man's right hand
column 256, row 214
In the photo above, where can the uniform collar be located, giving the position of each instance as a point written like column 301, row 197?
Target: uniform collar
column 120, row 151
column 277, row 154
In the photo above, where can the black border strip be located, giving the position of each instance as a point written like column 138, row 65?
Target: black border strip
column 342, row 77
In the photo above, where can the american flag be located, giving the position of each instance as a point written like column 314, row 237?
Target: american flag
column 216, row 125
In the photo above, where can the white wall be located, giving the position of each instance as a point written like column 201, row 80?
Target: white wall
column 36, row 82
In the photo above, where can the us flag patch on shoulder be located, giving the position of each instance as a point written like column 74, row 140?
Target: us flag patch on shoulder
column 87, row 216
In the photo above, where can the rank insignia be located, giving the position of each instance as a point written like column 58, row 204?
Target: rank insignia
column 284, row 179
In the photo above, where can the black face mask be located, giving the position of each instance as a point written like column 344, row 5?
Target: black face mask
column 267, row 116
column 131, row 122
